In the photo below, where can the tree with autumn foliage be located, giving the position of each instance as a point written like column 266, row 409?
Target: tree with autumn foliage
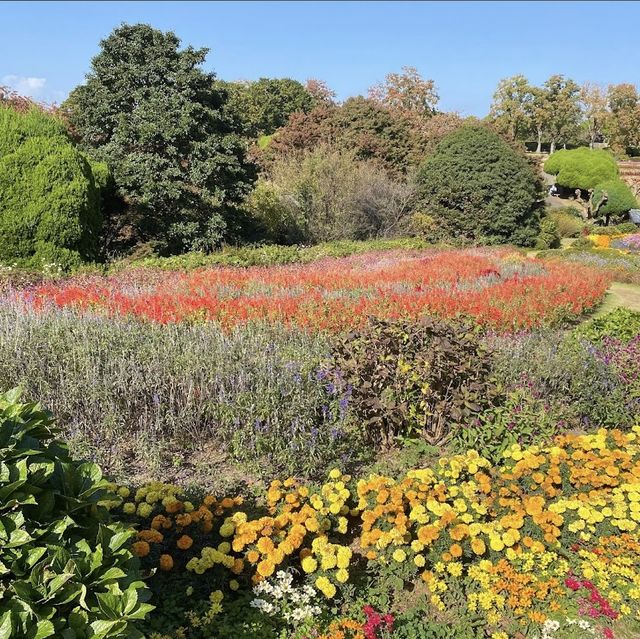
column 406, row 92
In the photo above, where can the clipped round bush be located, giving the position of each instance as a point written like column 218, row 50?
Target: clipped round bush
column 49, row 202
column 419, row 379
column 619, row 198
column 65, row 570
column 581, row 168
column 549, row 236
column 475, row 186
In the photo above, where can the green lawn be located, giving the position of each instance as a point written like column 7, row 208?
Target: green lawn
column 620, row 295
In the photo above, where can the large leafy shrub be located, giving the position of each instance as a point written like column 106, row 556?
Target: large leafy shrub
column 65, row 572
column 49, row 202
column 549, row 236
column 479, row 188
column 420, row 378
column 581, row 168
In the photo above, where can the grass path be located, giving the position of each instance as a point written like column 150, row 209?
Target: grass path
column 620, row 295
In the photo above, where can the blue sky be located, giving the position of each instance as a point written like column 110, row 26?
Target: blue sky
column 466, row 47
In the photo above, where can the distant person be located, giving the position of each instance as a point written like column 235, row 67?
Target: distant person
column 553, row 189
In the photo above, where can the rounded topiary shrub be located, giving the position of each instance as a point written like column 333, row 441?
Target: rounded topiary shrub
column 477, row 187
column 49, row 202
column 620, row 198
column 581, row 168
column 65, row 569
column 414, row 378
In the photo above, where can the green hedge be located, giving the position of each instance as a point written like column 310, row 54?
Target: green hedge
column 581, row 168
column 49, row 201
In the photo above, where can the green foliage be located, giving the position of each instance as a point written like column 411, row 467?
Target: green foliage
column 481, row 189
column 618, row 229
column 619, row 198
column 620, row 324
column 523, row 418
column 149, row 111
column 270, row 254
column 568, row 220
column 49, row 202
column 422, row 379
column 549, row 236
column 581, row 168
column 266, row 104
column 64, row 570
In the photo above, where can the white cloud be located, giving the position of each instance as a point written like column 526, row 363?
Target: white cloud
column 28, row 86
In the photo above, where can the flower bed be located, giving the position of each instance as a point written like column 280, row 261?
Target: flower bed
column 547, row 536
column 497, row 288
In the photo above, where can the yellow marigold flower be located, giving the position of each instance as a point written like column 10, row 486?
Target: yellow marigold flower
column 399, row 555
column 129, row 508
column 342, row 575
column 185, row 542
column 144, row 510
column 266, row 568
column 166, row 562
column 124, row 492
column 419, row 561
column 455, row 568
column 309, row 564
column 478, row 546
column 224, row 547
column 227, row 529
column 253, row 556
column 234, row 585
column 455, row 550
column 141, row 548
column 335, row 473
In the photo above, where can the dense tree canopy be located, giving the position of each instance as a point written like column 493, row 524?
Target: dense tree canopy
column 265, row 105
column 612, row 198
column 479, row 188
column 151, row 113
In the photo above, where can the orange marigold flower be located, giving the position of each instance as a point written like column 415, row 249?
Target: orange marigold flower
column 166, row 562
column 141, row 549
column 185, row 542
column 174, row 507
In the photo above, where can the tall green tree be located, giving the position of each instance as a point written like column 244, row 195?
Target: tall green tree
column 149, row 110
column 593, row 101
column 510, row 109
column 560, row 101
column 265, row 105
column 623, row 125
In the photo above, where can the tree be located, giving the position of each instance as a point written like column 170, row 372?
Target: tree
column 511, row 105
column 581, row 168
column 320, row 92
column 150, row 111
column 562, row 109
column 265, row 105
column 593, row 100
column 539, row 114
column 407, row 92
column 361, row 126
column 49, row 201
column 623, row 125
column 477, row 187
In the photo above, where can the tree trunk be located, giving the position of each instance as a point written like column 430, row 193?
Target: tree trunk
column 539, row 147
column 553, row 147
